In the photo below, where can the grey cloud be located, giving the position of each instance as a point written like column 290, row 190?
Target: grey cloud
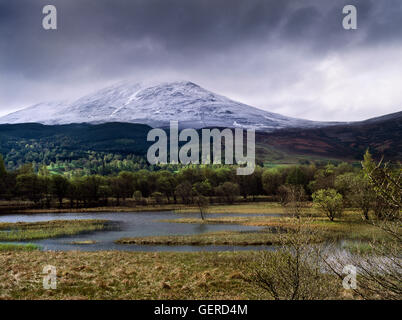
column 228, row 45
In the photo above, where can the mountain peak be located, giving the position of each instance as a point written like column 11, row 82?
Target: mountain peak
column 156, row 104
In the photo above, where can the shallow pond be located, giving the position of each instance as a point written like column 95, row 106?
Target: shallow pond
column 133, row 224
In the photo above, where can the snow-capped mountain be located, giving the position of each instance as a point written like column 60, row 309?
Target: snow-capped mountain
column 156, row 105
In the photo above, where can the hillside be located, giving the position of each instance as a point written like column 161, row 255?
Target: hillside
column 383, row 135
column 156, row 105
column 31, row 142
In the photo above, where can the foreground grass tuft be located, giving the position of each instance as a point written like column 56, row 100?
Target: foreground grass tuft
column 362, row 248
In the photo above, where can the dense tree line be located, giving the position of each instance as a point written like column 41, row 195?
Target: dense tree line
column 73, row 163
column 342, row 184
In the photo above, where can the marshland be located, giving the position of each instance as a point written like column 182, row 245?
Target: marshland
column 208, row 238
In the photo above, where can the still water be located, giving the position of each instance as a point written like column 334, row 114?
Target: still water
column 133, row 224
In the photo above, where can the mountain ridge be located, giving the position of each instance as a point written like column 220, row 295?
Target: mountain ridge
column 156, row 105
column 381, row 135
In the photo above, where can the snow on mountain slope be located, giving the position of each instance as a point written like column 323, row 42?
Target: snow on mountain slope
column 156, row 105
column 41, row 112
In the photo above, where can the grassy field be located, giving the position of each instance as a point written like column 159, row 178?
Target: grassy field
column 130, row 275
column 23, row 231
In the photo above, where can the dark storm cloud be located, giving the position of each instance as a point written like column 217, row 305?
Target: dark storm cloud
column 143, row 28
column 213, row 41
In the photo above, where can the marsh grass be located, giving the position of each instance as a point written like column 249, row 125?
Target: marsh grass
column 350, row 227
column 130, row 275
column 19, row 247
column 83, row 242
column 361, row 248
column 239, row 208
column 26, row 231
column 235, row 238
column 127, row 275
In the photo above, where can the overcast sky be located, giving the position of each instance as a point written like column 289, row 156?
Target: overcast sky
column 289, row 56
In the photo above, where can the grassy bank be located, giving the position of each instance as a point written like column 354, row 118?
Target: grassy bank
column 18, row 247
column 235, row 238
column 83, row 242
column 23, row 231
column 129, row 275
column 240, row 208
column 150, row 208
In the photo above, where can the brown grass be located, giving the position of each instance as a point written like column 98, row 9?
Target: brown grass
column 234, row 238
column 127, row 275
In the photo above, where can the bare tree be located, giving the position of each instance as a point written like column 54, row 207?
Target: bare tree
column 202, row 204
column 294, row 272
column 293, row 200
